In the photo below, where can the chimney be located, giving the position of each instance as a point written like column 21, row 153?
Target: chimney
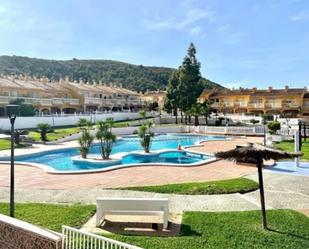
column 270, row 89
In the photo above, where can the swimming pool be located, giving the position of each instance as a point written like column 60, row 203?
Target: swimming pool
column 288, row 167
column 60, row 160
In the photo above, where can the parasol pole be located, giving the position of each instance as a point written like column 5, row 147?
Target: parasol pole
column 296, row 147
column 262, row 198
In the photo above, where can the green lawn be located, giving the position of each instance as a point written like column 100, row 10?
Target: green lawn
column 5, row 144
column 289, row 229
column 288, row 145
column 237, row 185
column 232, row 230
column 51, row 216
column 56, row 134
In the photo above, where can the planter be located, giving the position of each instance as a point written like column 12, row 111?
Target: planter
column 273, row 139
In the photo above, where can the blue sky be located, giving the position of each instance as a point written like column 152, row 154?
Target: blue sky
column 239, row 42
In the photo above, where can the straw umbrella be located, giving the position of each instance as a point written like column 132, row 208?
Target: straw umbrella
column 255, row 154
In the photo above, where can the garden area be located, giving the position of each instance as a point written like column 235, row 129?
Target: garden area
column 288, row 145
column 287, row 228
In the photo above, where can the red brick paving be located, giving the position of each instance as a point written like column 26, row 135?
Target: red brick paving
column 31, row 177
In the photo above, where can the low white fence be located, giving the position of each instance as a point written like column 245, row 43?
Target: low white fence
column 131, row 131
column 76, row 239
column 32, row 122
column 228, row 130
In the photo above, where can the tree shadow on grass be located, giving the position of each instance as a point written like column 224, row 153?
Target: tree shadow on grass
column 288, row 233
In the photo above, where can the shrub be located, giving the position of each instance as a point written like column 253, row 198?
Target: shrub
column 254, row 121
column 273, row 127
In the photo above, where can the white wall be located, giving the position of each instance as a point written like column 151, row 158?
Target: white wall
column 32, row 122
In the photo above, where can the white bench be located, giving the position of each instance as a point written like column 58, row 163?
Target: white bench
column 132, row 206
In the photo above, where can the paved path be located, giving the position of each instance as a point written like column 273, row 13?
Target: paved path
column 31, row 177
column 281, row 191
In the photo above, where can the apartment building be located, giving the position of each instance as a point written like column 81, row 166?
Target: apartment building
column 155, row 96
column 65, row 96
column 289, row 101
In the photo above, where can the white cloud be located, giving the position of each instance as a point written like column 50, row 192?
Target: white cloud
column 187, row 22
column 301, row 16
column 196, row 30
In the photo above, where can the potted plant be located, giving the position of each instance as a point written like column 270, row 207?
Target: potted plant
column 85, row 141
column 106, row 137
column 146, row 135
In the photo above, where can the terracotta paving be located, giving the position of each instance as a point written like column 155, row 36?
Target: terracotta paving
column 31, row 177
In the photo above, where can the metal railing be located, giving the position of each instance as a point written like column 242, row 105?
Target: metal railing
column 73, row 238
column 40, row 101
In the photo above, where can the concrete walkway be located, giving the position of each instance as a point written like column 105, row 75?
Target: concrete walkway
column 281, row 191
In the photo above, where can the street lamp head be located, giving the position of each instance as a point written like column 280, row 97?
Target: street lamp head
column 12, row 110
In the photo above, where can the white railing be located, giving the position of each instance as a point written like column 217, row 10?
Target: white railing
column 41, row 101
column 228, row 130
column 76, row 239
column 256, row 105
column 4, row 100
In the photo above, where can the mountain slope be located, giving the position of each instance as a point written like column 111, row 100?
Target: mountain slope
column 139, row 78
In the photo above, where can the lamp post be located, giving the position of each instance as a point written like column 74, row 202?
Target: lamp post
column 12, row 111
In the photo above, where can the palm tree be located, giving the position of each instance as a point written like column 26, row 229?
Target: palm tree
column 144, row 132
column 206, row 110
column 255, row 153
column 106, row 137
column 85, row 141
column 196, row 111
column 83, row 122
column 44, row 128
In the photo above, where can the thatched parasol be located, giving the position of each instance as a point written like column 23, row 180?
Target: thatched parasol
column 255, row 153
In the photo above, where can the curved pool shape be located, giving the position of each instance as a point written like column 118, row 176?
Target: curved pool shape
column 60, row 160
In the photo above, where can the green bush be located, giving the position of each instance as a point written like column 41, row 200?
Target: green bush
column 273, row 127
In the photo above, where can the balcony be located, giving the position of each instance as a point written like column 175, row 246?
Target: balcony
column 215, row 105
column 277, row 105
column 4, row 100
column 256, row 105
column 241, row 104
column 291, row 105
column 94, row 101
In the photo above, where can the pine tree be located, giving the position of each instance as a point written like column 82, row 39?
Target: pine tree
column 172, row 95
column 190, row 85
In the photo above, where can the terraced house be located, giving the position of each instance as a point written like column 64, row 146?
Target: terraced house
column 288, row 101
column 65, row 96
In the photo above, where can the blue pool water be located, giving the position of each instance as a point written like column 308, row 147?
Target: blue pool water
column 179, row 157
column 288, row 167
column 60, row 160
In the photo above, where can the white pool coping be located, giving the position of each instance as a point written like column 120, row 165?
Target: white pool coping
column 118, row 156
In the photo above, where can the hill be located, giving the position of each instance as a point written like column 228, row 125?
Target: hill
column 135, row 77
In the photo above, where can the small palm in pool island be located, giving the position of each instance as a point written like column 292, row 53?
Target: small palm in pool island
column 163, row 151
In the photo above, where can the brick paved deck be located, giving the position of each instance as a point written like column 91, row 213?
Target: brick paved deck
column 31, row 177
